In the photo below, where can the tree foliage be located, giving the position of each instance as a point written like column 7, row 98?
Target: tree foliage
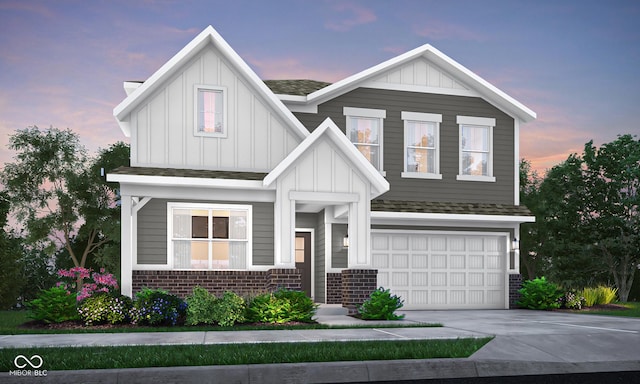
column 58, row 194
column 587, row 227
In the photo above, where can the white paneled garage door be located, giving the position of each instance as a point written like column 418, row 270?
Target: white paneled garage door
column 433, row 270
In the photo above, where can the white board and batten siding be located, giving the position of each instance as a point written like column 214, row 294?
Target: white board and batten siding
column 326, row 173
column 419, row 74
column 439, row 270
column 163, row 126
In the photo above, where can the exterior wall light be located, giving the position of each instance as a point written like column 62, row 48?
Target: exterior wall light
column 345, row 241
column 515, row 244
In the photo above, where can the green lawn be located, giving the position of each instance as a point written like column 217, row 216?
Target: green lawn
column 70, row 358
column 10, row 322
column 632, row 311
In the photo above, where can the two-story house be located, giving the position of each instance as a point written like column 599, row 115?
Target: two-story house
column 404, row 175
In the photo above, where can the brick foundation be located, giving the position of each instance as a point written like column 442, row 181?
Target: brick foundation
column 334, row 288
column 246, row 283
column 357, row 285
column 515, row 283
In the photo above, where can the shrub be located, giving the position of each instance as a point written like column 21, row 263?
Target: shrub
column 381, row 305
column 157, row 307
column 590, row 296
column 54, row 305
column 607, row 295
column 200, row 307
column 572, row 300
column 229, row 309
column 539, row 294
column 282, row 306
column 105, row 308
column 302, row 307
column 599, row 295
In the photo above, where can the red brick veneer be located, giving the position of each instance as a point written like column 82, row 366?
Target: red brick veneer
column 357, row 285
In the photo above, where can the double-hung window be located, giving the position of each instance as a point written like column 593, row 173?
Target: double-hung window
column 209, row 236
column 476, row 148
column 421, row 145
column 210, row 111
column 365, row 131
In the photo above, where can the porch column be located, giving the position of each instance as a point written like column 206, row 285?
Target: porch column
column 359, row 235
column 126, row 243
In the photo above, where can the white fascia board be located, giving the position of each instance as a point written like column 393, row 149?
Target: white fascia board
column 485, row 88
column 437, row 218
column 475, row 82
column 170, row 181
column 208, row 35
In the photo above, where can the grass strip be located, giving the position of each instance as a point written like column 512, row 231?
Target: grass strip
column 10, row 322
column 633, row 310
column 77, row 358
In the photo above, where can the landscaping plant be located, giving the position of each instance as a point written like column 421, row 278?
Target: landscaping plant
column 54, row 305
column 99, row 281
column 157, row 307
column 200, row 307
column 539, row 294
column 105, row 308
column 599, row 295
column 572, row 300
column 282, row 306
column 381, row 305
column 229, row 310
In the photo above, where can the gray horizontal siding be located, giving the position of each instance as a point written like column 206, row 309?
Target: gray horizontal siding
column 448, row 189
column 339, row 254
column 152, row 232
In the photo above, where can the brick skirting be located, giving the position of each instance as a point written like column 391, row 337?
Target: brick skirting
column 357, row 285
column 334, row 288
column 515, row 283
column 246, row 283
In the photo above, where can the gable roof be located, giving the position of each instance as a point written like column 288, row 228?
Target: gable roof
column 208, row 36
column 486, row 90
column 329, row 129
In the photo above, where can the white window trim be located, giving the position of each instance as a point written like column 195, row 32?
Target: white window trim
column 479, row 122
column 422, row 118
column 247, row 208
column 196, row 115
column 368, row 113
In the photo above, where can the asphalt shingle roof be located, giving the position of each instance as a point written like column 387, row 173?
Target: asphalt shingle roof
column 295, row 87
column 174, row 172
column 451, row 208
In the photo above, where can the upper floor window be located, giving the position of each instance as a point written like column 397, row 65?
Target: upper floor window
column 365, row 131
column 421, row 145
column 210, row 111
column 476, row 148
column 206, row 236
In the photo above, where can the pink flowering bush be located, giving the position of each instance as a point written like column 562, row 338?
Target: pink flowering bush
column 98, row 281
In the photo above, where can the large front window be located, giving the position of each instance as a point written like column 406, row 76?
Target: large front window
column 364, row 130
column 422, row 145
column 476, row 157
column 206, row 236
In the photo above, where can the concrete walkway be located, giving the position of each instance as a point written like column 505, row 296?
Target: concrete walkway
column 525, row 343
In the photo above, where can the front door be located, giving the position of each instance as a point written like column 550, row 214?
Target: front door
column 303, row 259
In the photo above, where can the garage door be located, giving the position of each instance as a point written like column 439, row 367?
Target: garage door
column 432, row 270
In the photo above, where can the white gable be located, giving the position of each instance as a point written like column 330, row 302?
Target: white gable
column 160, row 114
column 420, row 75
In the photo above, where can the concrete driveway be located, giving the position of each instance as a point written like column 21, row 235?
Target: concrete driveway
column 544, row 336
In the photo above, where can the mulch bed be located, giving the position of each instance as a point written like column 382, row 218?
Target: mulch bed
column 599, row 307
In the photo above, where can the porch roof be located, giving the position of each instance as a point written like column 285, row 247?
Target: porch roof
column 450, row 208
column 197, row 173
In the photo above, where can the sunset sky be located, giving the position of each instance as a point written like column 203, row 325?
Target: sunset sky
column 575, row 63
